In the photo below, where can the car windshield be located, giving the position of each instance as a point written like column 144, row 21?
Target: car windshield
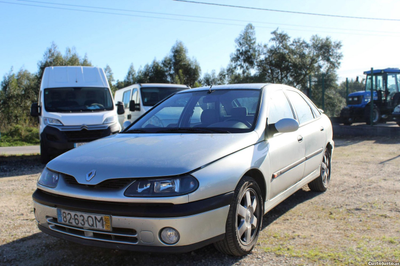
column 152, row 95
column 219, row 111
column 77, row 99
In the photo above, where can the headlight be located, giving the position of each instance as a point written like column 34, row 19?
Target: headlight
column 109, row 120
column 367, row 98
column 52, row 121
column 49, row 178
column 161, row 187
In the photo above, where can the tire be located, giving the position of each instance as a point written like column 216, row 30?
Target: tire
column 244, row 219
column 321, row 183
column 376, row 115
column 348, row 121
column 44, row 154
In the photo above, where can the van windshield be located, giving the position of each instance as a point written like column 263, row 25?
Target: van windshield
column 77, row 99
column 152, row 95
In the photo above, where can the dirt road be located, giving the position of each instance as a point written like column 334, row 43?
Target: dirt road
column 355, row 222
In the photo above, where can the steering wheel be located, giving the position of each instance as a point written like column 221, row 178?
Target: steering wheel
column 239, row 120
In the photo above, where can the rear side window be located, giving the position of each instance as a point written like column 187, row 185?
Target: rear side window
column 279, row 108
column 301, row 107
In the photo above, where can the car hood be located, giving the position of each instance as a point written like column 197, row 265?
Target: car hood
column 148, row 155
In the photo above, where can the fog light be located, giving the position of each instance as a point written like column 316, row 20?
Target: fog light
column 169, row 235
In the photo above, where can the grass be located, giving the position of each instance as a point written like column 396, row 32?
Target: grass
column 19, row 136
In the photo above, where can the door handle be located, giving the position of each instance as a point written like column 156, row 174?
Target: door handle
column 299, row 138
column 129, row 116
column 322, row 128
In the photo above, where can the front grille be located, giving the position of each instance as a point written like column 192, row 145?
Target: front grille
column 114, row 184
column 83, row 135
column 116, row 235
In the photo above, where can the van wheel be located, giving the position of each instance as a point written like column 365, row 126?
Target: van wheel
column 244, row 219
column 44, row 154
column 321, row 183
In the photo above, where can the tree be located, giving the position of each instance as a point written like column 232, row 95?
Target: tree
column 53, row 57
column 246, row 53
column 130, row 76
column 179, row 68
column 110, row 78
column 17, row 93
column 292, row 62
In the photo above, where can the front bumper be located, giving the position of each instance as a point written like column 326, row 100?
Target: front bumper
column 59, row 139
column 132, row 229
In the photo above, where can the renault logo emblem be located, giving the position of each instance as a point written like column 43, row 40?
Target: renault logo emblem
column 90, row 175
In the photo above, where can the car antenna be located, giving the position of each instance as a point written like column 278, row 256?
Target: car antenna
column 209, row 90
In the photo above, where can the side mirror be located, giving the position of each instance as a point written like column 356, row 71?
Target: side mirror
column 134, row 106
column 126, row 124
column 284, row 125
column 120, row 108
column 35, row 110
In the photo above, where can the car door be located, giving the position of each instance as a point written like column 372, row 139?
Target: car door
column 287, row 151
column 311, row 131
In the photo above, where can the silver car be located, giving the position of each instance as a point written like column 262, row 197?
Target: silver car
column 201, row 167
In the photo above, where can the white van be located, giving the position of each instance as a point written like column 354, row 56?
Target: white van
column 137, row 99
column 75, row 106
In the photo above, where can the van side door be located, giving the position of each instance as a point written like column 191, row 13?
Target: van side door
column 126, row 97
column 136, row 114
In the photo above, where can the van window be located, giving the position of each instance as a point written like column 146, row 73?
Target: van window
column 77, row 99
column 126, row 98
column 152, row 95
column 135, row 96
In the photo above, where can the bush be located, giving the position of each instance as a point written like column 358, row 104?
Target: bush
column 18, row 135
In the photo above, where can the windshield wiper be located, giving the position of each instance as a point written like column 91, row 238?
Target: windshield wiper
column 136, row 130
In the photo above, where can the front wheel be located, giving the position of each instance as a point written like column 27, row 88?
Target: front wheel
column 244, row 219
column 321, row 183
column 376, row 115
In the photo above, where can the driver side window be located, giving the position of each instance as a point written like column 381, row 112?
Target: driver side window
column 279, row 108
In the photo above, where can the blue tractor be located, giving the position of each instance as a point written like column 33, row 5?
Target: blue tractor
column 386, row 96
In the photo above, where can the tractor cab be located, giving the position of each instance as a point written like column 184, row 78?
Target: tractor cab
column 385, row 84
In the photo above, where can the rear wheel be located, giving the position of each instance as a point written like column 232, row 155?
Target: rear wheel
column 321, row 183
column 244, row 219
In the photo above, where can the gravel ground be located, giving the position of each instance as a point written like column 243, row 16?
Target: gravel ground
column 355, row 222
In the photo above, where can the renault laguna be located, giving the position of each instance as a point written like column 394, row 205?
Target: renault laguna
column 201, row 167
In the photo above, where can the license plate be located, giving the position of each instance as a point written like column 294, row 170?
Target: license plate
column 84, row 220
column 76, row 145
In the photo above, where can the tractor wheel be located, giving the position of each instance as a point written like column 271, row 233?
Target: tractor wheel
column 348, row 121
column 376, row 115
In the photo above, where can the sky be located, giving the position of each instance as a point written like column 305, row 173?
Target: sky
column 123, row 32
